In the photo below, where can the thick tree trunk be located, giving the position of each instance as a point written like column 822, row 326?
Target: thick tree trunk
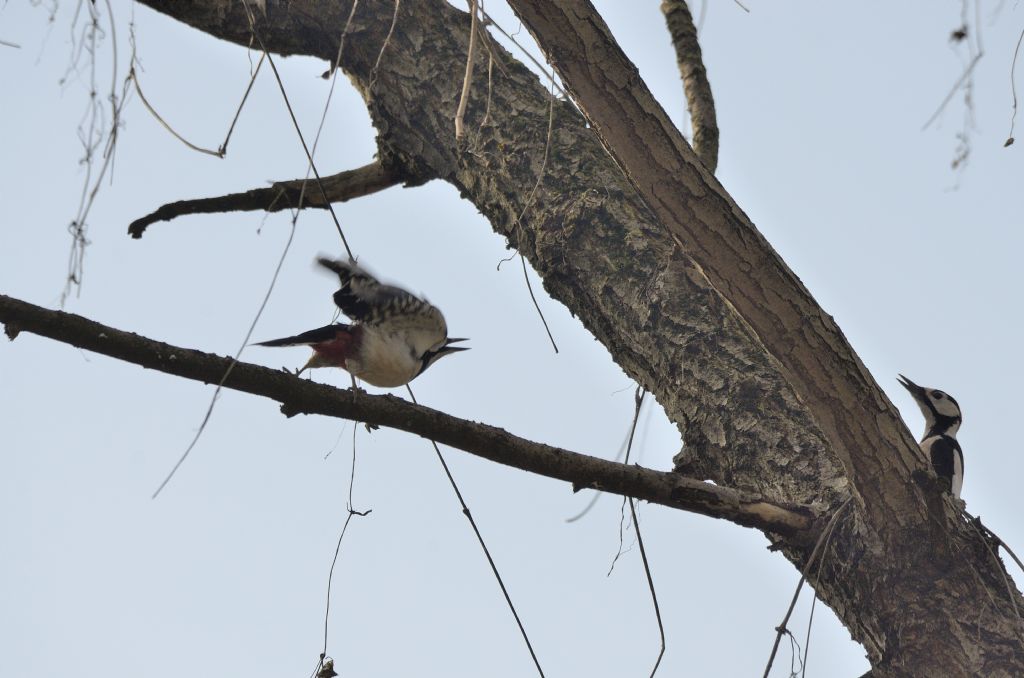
column 913, row 583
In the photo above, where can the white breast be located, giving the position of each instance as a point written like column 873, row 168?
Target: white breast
column 386, row 360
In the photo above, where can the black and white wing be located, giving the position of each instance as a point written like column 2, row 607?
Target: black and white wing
column 388, row 308
column 947, row 459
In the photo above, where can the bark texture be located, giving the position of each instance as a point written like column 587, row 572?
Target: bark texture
column 913, row 583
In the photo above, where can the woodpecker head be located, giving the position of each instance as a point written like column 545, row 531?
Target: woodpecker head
column 941, row 411
column 435, row 354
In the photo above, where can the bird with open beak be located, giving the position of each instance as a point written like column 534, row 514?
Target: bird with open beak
column 942, row 418
column 394, row 338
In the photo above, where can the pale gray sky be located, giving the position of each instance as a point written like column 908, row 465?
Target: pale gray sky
column 821, row 107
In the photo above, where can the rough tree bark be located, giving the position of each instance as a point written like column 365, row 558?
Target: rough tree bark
column 741, row 358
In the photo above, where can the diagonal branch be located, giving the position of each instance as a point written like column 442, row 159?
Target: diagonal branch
column 699, row 100
column 280, row 195
column 864, row 429
column 298, row 396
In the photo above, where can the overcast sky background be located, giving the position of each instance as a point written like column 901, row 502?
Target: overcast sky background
column 821, row 107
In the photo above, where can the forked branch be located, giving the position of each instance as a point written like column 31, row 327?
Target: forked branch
column 298, row 396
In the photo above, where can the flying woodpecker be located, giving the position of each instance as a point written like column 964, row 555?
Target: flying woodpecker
column 395, row 336
column 942, row 420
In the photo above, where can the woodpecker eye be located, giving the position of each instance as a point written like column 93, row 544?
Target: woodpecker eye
column 938, row 395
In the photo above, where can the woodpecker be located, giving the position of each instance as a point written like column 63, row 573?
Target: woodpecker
column 395, row 335
column 942, row 420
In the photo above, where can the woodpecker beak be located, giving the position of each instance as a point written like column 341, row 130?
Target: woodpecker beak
column 917, row 391
column 448, row 348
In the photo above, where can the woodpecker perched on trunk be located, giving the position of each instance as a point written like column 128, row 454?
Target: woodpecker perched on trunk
column 942, row 420
column 395, row 336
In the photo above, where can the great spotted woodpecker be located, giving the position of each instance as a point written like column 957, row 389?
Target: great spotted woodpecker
column 395, row 336
column 942, row 420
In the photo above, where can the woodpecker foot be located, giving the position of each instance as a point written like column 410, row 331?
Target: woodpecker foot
column 370, row 428
column 355, row 391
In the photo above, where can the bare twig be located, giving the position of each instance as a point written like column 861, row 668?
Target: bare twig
column 323, row 660
column 483, row 545
column 529, row 203
column 230, row 366
column 241, row 104
column 323, row 116
column 699, row 100
column 467, row 79
column 819, row 546
column 300, row 396
column 336, row 64
column 511, row 38
column 383, row 47
column 978, row 524
column 92, row 139
column 1009, row 551
column 280, row 195
column 295, row 124
column 638, row 401
column 536, row 305
column 349, row 506
column 1010, row 591
column 953, row 90
column 810, row 617
column 640, row 393
column 1013, row 89
column 174, row 133
column 650, row 585
column 485, row 41
column 490, row 91
column 597, row 495
column 795, row 662
column 222, row 150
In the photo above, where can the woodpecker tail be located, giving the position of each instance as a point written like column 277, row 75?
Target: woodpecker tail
column 309, row 338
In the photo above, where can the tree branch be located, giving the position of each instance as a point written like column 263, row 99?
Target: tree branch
column 280, row 195
column 864, row 429
column 588, row 235
column 299, row 396
column 699, row 100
